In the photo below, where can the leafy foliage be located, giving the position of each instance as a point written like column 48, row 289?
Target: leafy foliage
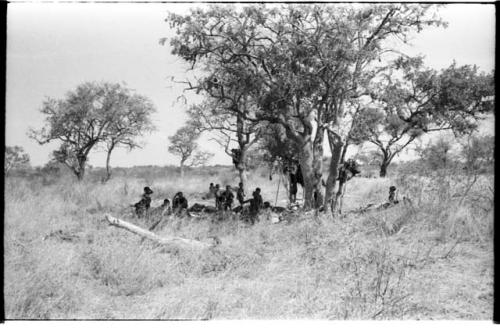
column 297, row 64
column 183, row 144
column 412, row 100
column 479, row 153
column 91, row 114
column 15, row 157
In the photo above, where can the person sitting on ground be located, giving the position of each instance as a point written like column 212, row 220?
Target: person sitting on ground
column 256, row 205
column 142, row 207
column 275, row 209
column 166, row 208
column 240, row 193
column 228, row 198
column 392, row 195
column 179, row 203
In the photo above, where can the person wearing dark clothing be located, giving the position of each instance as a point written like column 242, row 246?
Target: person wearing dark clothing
column 227, row 198
column 392, row 195
column 142, row 207
column 236, row 155
column 240, row 194
column 256, row 204
column 179, row 203
column 293, row 188
column 166, row 208
column 294, row 178
column 298, row 175
column 221, row 200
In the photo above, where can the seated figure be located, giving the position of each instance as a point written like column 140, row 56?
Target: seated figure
column 179, row 203
column 142, row 207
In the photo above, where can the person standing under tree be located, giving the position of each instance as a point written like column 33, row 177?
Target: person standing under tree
column 227, row 199
column 256, row 204
column 240, row 194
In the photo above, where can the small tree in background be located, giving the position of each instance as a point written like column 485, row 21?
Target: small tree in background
column 183, row 144
column 437, row 156
column 478, row 153
column 131, row 119
column 15, row 157
column 200, row 158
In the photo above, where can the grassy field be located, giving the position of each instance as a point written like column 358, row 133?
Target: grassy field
column 433, row 260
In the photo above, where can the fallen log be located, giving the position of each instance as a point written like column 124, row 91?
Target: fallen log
column 166, row 241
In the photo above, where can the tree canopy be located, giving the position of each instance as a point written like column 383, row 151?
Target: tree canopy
column 301, row 65
column 91, row 114
column 411, row 100
column 183, row 144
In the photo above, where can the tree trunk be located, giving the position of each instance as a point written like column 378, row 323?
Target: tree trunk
column 306, row 160
column 336, row 146
column 243, row 145
column 182, row 169
column 108, row 158
column 242, row 172
column 80, row 170
column 337, row 202
column 383, row 166
column 318, row 167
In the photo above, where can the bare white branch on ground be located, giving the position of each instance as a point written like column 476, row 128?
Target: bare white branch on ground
column 167, row 241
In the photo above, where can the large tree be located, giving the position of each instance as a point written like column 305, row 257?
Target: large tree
column 305, row 64
column 79, row 121
column 412, row 100
column 91, row 114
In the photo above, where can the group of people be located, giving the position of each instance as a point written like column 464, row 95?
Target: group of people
column 224, row 201
column 142, row 208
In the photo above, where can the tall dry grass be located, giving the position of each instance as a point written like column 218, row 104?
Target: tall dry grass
column 432, row 260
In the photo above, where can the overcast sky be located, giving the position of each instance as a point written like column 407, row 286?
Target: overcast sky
column 51, row 48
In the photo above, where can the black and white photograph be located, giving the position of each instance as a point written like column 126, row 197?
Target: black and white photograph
column 249, row 161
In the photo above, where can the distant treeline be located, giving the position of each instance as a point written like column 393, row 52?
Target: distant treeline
column 52, row 171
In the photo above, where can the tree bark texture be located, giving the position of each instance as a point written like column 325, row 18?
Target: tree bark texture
column 318, row 167
column 306, row 160
column 336, row 146
column 243, row 141
column 80, row 170
column 108, row 159
column 182, row 168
